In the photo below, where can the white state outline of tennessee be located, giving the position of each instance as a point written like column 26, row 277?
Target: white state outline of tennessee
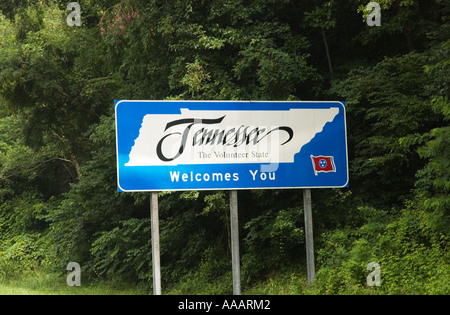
column 306, row 123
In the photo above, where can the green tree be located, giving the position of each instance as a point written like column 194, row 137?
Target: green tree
column 59, row 200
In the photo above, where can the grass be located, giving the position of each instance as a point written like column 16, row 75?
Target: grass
column 281, row 284
column 289, row 281
column 47, row 284
column 51, row 284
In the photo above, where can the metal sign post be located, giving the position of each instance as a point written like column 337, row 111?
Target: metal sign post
column 235, row 261
column 154, row 215
column 309, row 235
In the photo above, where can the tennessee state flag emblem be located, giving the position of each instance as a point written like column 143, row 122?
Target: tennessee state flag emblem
column 323, row 164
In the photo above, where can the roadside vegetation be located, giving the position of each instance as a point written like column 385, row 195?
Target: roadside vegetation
column 58, row 190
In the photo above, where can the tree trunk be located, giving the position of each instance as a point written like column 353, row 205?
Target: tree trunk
column 330, row 66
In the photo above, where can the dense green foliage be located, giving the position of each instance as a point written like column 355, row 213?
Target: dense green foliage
column 58, row 195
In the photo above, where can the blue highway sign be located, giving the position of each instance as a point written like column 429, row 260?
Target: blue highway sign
column 214, row 145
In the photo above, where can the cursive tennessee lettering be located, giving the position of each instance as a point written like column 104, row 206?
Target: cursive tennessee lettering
column 242, row 135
